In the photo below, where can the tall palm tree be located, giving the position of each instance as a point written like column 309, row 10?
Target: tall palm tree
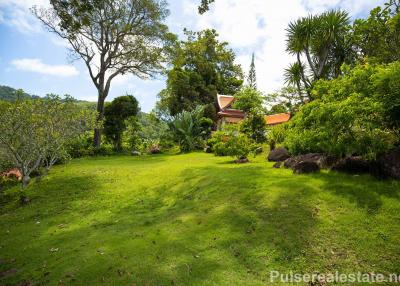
column 317, row 38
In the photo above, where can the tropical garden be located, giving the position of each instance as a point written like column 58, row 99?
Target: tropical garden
column 102, row 193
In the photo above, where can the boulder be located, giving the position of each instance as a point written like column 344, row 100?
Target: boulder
column 277, row 165
column 323, row 161
column 135, row 153
column 305, row 167
column 242, row 160
column 208, row 149
column 388, row 165
column 278, row 154
column 353, row 165
column 290, row 162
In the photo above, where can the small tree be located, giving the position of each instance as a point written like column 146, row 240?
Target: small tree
column 116, row 114
column 249, row 100
column 231, row 142
column 254, row 125
column 35, row 132
column 64, row 122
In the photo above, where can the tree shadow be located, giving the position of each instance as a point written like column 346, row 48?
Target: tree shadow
column 366, row 191
column 218, row 224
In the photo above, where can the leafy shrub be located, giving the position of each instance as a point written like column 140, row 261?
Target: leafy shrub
column 276, row 135
column 231, row 142
column 354, row 114
column 81, row 146
column 190, row 129
column 254, row 126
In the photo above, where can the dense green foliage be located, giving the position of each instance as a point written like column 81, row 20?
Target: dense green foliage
column 254, row 126
column 35, row 133
column 116, row 114
column 194, row 219
column 190, row 129
column 357, row 113
column 202, row 68
column 147, row 130
column 249, row 99
column 230, row 141
column 378, row 36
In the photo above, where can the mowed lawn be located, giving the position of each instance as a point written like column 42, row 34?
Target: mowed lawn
column 194, row 219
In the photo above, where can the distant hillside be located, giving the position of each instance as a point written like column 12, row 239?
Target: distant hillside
column 9, row 94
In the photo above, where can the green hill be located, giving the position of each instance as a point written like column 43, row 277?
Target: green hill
column 9, row 94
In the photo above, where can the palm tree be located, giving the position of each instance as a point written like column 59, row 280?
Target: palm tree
column 293, row 76
column 317, row 38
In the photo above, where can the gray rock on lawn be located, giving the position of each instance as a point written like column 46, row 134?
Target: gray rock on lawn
column 388, row 164
column 135, row 153
column 278, row 154
column 323, row 161
column 277, row 165
column 242, row 160
column 305, row 167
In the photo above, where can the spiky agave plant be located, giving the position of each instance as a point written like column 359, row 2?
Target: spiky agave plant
column 187, row 129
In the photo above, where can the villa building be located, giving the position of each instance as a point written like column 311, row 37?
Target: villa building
column 229, row 115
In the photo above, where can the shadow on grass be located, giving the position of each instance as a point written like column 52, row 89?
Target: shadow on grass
column 366, row 191
column 212, row 225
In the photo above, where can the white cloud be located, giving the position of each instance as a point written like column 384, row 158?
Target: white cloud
column 16, row 14
column 259, row 26
column 36, row 65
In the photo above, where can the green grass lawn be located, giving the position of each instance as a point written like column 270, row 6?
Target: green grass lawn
column 194, row 219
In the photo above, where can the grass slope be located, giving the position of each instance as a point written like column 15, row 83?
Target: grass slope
column 194, row 219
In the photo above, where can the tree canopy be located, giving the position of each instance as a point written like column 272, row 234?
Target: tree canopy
column 116, row 113
column 202, row 67
column 112, row 37
column 378, row 36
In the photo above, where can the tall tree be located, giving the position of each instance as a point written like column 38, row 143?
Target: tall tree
column 112, row 37
column 324, row 42
column 252, row 79
column 202, row 68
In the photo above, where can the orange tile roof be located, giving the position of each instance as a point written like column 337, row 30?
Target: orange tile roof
column 224, row 101
column 277, row 118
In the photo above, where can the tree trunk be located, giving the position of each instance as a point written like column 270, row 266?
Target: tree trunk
column 100, row 116
column 25, row 181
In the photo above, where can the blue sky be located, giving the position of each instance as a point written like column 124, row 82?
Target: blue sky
column 38, row 62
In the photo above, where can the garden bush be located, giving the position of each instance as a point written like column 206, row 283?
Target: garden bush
column 231, row 142
column 355, row 114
